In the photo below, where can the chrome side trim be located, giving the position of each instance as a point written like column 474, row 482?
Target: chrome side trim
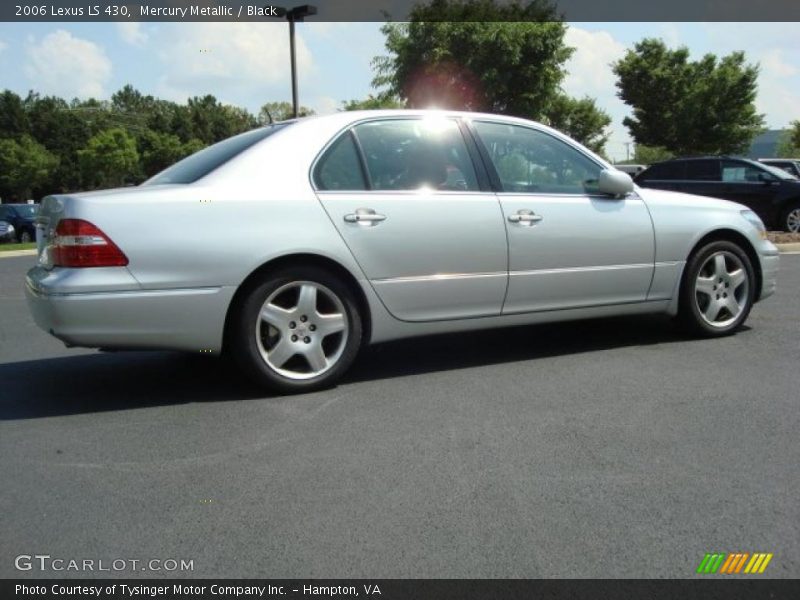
column 439, row 277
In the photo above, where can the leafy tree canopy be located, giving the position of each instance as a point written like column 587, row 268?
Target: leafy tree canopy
column 689, row 107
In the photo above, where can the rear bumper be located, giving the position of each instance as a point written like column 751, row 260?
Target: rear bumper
column 185, row 319
column 769, row 274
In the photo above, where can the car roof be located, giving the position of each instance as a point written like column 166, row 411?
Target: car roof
column 708, row 157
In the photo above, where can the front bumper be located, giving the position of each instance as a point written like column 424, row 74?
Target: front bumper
column 769, row 273
column 182, row 319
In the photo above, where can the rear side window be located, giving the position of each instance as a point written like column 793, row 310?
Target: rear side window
column 702, row 170
column 411, row 154
column 340, row 168
column 200, row 164
column 662, row 171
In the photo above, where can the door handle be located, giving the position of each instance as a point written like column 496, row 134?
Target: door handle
column 525, row 217
column 367, row 216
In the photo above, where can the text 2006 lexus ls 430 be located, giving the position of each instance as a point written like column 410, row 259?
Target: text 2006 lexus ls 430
column 293, row 245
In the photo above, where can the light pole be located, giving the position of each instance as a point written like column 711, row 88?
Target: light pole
column 295, row 15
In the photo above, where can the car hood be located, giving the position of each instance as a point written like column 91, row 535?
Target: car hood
column 669, row 198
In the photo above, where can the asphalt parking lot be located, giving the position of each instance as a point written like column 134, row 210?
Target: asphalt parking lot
column 613, row 448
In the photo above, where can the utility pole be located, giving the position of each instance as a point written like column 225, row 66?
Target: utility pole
column 295, row 15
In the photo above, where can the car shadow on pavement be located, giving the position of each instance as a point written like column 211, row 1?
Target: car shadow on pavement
column 99, row 382
column 480, row 348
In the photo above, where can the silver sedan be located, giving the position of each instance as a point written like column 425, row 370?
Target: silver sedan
column 293, row 246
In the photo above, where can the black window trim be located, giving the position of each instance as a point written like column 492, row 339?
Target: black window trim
column 350, row 128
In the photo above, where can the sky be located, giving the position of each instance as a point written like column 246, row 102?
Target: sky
column 246, row 64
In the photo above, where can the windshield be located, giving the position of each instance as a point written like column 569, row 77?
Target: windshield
column 778, row 172
column 200, row 164
column 26, row 211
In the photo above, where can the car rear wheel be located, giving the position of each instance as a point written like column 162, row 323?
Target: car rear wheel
column 718, row 289
column 25, row 237
column 297, row 331
column 791, row 219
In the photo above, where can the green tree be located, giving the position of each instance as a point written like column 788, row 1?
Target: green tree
column 789, row 142
column 161, row 150
column 689, row 107
column 371, row 102
column 272, row 112
column 110, row 159
column 24, row 165
column 476, row 55
column 580, row 119
column 647, row 155
column 13, row 119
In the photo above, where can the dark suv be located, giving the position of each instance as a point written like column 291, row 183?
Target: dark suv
column 771, row 193
column 21, row 216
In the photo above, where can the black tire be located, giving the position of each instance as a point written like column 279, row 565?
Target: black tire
column 691, row 300
column 25, row 237
column 790, row 217
column 249, row 349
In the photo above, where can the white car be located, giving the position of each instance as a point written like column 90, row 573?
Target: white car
column 294, row 245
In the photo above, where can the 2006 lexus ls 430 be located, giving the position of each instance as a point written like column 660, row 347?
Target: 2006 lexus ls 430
column 293, row 245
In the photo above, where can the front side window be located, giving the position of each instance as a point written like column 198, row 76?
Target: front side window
column 413, row 154
column 739, row 172
column 531, row 161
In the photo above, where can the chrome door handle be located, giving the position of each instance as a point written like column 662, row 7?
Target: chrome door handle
column 366, row 216
column 526, row 217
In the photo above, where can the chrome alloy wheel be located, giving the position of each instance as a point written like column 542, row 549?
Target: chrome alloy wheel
column 301, row 330
column 721, row 289
column 793, row 220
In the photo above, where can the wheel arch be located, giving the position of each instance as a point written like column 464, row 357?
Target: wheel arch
column 300, row 259
column 729, row 235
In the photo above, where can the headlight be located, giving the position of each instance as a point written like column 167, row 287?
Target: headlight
column 756, row 222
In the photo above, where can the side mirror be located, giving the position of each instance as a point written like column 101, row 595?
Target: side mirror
column 767, row 178
column 614, row 183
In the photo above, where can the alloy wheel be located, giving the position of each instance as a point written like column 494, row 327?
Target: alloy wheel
column 721, row 289
column 301, row 330
column 793, row 220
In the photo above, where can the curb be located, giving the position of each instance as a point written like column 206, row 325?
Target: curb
column 13, row 253
column 791, row 247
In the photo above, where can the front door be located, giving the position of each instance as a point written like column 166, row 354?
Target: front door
column 404, row 195
column 569, row 246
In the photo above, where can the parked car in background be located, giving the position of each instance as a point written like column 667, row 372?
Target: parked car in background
column 21, row 216
column 790, row 165
column 771, row 193
column 631, row 170
column 7, row 232
column 370, row 226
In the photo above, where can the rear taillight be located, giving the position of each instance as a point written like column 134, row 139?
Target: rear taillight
column 78, row 243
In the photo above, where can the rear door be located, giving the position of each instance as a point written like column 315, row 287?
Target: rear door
column 405, row 196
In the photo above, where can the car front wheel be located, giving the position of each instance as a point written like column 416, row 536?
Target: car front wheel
column 297, row 331
column 718, row 290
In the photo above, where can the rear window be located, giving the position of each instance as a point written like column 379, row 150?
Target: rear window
column 200, row 164
column 668, row 170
